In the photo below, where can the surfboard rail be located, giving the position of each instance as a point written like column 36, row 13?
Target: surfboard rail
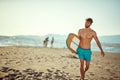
column 72, row 42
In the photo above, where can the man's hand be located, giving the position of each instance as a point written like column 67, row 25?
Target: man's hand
column 102, row 53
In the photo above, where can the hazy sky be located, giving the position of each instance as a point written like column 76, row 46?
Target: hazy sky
column 40, row 17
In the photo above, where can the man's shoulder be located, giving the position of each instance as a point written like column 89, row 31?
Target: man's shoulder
column 93, row 31
column 81, row 29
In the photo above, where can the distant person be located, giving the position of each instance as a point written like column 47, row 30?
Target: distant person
column 52, row 41
column 84, row 50
column 45, row 42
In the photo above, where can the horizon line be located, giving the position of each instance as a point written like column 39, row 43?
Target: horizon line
column 54, row 34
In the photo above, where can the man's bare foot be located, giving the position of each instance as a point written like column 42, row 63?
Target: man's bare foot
column 82, row 77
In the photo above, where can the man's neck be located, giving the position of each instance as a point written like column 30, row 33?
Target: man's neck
column 87, row 27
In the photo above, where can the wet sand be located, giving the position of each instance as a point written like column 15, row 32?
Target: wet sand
column 37, row 63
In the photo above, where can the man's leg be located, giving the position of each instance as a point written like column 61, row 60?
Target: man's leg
column 87, row 66
column 88, row 59
column 82, row 69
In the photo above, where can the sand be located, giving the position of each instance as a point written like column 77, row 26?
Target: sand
column 37, row 63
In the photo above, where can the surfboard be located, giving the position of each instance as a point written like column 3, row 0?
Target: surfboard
column 73, row 42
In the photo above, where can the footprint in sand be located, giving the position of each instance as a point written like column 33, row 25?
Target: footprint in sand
column 30, row 74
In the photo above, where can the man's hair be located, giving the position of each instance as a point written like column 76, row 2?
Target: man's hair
column 89, row 19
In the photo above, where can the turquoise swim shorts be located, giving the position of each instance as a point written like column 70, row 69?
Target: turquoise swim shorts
column 84, row 54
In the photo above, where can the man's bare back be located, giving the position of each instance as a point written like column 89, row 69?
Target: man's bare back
column 86, row 35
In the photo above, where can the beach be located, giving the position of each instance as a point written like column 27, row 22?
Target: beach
column 39, row 63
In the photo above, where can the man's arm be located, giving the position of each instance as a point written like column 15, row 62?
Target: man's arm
column 79, row 33
column 99, row 44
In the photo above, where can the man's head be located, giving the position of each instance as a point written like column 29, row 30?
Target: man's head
column 88, row 22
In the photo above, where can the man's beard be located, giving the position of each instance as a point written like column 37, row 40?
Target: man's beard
column 87, row 26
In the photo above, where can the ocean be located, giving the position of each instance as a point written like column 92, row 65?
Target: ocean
column 109, row 43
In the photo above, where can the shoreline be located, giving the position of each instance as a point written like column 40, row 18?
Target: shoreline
column 30, row 62
column 53, row 48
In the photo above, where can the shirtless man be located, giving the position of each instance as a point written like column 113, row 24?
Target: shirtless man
column 84, row 50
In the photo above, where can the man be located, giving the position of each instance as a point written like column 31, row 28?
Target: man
column 84, row 50
column 52, row 41
column 45, row 42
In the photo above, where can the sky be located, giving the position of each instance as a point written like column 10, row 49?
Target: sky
column 41, row 17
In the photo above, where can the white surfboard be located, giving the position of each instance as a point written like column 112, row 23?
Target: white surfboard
column 73, row 42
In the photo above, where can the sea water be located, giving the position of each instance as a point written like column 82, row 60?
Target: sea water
column 109, row 43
